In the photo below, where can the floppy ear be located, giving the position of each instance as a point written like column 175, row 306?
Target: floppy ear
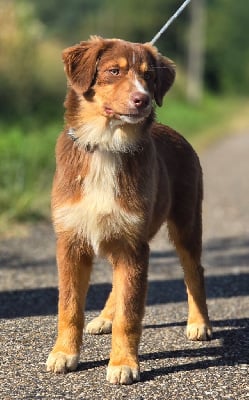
column 165, row 76
column 80, row 63
column 165, row 73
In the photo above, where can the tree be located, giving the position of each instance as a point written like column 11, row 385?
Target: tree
column 196, row 44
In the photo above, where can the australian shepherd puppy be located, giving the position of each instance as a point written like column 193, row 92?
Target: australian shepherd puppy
column 119, row 177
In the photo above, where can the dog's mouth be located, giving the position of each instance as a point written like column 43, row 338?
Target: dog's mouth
column 133, row 117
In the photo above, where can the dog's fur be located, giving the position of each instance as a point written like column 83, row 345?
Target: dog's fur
column 119, row 177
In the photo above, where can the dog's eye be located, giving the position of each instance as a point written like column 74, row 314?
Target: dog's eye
column 147, row 76
column 114, row 71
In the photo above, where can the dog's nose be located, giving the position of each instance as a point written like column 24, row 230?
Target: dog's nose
column 140, row 100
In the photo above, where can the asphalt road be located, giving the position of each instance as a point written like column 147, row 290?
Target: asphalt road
column 171, row 367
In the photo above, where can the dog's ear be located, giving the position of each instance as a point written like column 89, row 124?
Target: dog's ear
column 80, row 63
column 165, row 73
column 165, row 76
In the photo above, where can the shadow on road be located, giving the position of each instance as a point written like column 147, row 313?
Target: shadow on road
column 234, row 350
column 224, row 252
column 31, row 302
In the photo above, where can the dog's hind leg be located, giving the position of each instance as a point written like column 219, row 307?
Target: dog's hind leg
column 188, row 246
column 74, row 273
column 103, row 323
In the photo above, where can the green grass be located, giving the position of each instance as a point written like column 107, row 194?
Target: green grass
column 26, row 170
column 27, row 154
column 198, row 123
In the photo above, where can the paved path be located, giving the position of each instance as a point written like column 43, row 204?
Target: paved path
column 172, row 367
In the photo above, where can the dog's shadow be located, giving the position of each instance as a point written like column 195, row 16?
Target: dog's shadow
column 233, row 350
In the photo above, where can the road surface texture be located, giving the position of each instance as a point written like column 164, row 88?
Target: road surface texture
column 171, row 366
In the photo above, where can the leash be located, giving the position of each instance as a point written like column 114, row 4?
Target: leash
column 169, row 22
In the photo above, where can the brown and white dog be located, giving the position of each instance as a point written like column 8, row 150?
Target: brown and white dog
column 119, row 177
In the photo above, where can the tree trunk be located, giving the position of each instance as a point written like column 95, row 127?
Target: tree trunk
column 196, row 51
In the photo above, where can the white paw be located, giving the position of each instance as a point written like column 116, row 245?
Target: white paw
column 199, row 332
column 98, row 326
column 122, row 374
column 60, row 362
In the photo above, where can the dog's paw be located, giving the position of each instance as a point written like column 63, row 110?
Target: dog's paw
column 199, row 332
column 122, row 375
column 99, row 326
column 60, row 362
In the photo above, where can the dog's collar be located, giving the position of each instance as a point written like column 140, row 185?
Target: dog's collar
column 88, row 147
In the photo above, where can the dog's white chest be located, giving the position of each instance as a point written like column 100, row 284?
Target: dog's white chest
column 97, row 216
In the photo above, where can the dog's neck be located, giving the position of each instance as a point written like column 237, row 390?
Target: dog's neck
column 88, row 147
column 114, row 137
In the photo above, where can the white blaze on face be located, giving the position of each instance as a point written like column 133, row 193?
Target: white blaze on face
column 140, row 87
column 133, row 58
column 137, row 87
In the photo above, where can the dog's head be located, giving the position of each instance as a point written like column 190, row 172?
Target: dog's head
column 120, row 78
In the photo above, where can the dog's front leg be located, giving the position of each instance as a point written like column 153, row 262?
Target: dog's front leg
column 74, row 273
column 130, row 284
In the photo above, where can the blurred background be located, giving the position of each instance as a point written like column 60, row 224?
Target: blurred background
column 208, row 42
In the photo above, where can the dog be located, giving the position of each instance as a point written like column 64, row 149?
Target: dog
column 120, row 176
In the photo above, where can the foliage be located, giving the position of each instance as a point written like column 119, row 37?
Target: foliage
column 31, row 74
column 33, row 34
column 227, row 46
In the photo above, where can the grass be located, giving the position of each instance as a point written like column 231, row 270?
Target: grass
column 26, row 170
column 27, row 154
column 202, row 123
